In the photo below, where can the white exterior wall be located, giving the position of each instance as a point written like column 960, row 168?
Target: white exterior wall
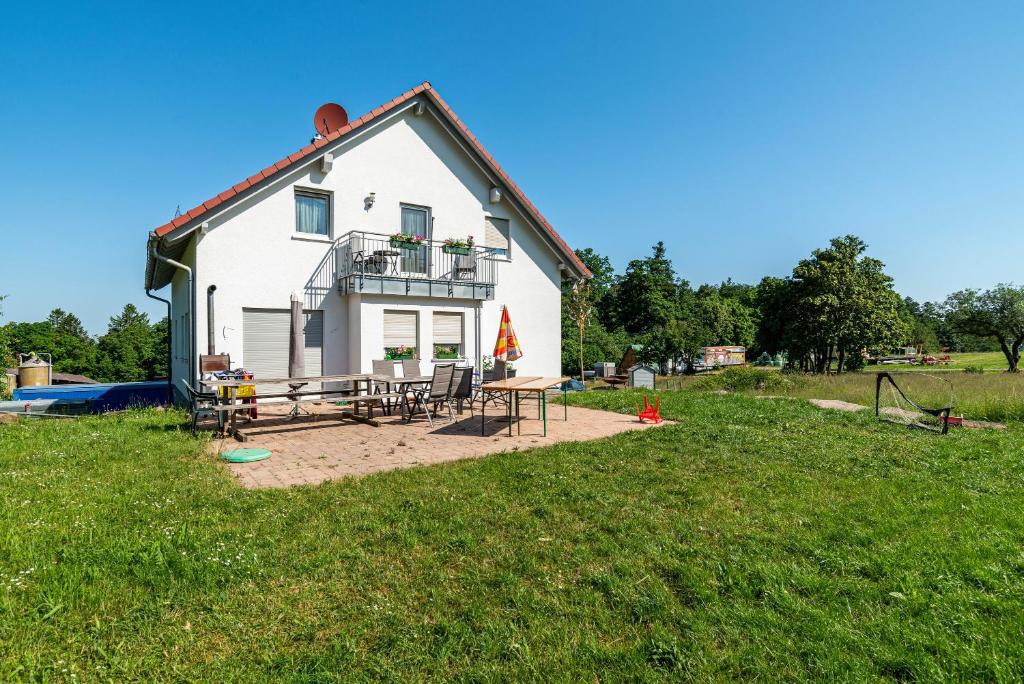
column 255, row 258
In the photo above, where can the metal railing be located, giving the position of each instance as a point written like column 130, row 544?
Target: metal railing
column 372, row 255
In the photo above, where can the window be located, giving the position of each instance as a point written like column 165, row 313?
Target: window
column 312, row 213
column 447, row 335
column 400, row 333
column 496, row 235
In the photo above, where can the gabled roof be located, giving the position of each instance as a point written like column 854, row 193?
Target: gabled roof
column 194, row 216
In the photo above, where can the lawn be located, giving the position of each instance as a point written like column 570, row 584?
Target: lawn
column 993, row 361
column 978, row 396
column 754, row 539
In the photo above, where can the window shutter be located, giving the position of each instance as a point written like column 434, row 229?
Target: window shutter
column 447, row 328
column 496, row 233
column 399, row 328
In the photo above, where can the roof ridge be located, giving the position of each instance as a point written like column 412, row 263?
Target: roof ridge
column 290, row 160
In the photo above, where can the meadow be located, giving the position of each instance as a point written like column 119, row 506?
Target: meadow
column 992, row 396
column 753, row 539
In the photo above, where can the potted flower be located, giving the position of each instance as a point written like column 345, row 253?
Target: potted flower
column 399, row 352
column 458, row 245
column 407, row 241
column 488, row 368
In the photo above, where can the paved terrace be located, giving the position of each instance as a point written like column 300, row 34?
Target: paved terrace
column 319, row 447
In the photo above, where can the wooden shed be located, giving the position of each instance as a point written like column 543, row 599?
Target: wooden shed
column 642, row 376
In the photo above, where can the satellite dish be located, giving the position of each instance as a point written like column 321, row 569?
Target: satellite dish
column 329, row 118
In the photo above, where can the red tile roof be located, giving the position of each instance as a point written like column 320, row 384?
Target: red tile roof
column 202, row 209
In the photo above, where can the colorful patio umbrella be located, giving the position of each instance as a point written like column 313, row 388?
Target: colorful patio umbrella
column 507, row 347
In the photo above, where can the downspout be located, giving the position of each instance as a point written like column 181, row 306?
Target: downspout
column 210, row 342
column 191, row 310
column 170, row 361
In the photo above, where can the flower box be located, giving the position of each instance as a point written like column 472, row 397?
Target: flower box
column 405, row 244
column 449, row 249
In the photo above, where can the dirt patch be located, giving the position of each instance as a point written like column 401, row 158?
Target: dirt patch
column 837, row 405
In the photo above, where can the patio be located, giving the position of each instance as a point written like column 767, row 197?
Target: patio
column 319, row 447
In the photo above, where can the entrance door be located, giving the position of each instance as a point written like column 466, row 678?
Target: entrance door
column 416, row 221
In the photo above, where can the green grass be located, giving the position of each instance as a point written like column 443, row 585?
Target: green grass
column 989, row 361
column 754, row 539
column 978, row 396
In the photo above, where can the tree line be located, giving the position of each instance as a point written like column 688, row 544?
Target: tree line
column 836, row 305
column 132, row 349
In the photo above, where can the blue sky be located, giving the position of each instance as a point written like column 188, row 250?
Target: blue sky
column 744, row 135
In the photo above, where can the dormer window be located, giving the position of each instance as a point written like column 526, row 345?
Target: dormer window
column 312, row 213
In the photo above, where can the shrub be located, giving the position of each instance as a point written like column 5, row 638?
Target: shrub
column 763, row 360
column 974, row 369
column 854, row 362
column 739, row 378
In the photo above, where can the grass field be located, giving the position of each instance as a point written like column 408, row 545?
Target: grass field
column 989, row 361
column 754, row 539
column 979, row 396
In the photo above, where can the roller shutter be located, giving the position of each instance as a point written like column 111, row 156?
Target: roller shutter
column 400, row 328
column 265, row 335
column 447, row 328
column 496, row 234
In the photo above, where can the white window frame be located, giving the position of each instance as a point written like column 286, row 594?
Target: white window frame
column 317, row 194
column 417, row 352
column 507, row 256
column 461, row 346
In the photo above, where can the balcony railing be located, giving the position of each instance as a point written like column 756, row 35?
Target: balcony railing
column 373, row 264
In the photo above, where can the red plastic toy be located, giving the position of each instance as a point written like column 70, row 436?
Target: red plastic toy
column 649, row 412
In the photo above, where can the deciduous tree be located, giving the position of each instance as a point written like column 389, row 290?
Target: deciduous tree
column 997, row 313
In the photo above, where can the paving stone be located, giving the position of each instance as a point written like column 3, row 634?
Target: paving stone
column 309, row 451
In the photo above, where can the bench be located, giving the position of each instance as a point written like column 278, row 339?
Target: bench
column 369, row 399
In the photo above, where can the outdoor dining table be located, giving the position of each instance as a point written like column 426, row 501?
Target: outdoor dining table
column 403, row 384
column 530, row 384
column 231, row 386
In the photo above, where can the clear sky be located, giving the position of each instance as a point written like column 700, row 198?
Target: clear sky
column 742, row 134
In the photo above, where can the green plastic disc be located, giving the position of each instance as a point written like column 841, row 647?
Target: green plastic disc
column 245, row 455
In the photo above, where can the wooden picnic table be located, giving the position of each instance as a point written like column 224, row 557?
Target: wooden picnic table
column 231, row 386
column 530, row 384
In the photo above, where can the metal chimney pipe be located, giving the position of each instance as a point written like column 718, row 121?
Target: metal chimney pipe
column 210, row 343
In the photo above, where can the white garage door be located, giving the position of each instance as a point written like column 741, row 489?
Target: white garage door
column 265, row 335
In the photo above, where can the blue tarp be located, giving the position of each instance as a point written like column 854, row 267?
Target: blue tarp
column 101, row 397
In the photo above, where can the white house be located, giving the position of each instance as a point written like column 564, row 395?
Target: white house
column 318, row 223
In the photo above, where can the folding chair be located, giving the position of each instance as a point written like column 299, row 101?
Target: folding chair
column 439, row 392
column 462, row 388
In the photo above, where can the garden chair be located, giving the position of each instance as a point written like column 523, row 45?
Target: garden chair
column 385, row 367
column 462, row 388
column 411, row 368
column 438, row 392
column 202, row 404
column 464, row 267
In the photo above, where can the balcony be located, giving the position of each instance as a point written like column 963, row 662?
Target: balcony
column 368, row 263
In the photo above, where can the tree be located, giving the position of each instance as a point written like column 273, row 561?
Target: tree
column 5, row 352
column 646, row 305
column 74, row 351
column 775, row 301
column 581, row 309
column 844, row 304
column 997, row 313
column 157, row 366
column 645, row 297
column 602, row 285
column 127, row 350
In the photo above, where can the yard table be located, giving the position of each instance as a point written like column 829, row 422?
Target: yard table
column 530, row 384
column 231, row 386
